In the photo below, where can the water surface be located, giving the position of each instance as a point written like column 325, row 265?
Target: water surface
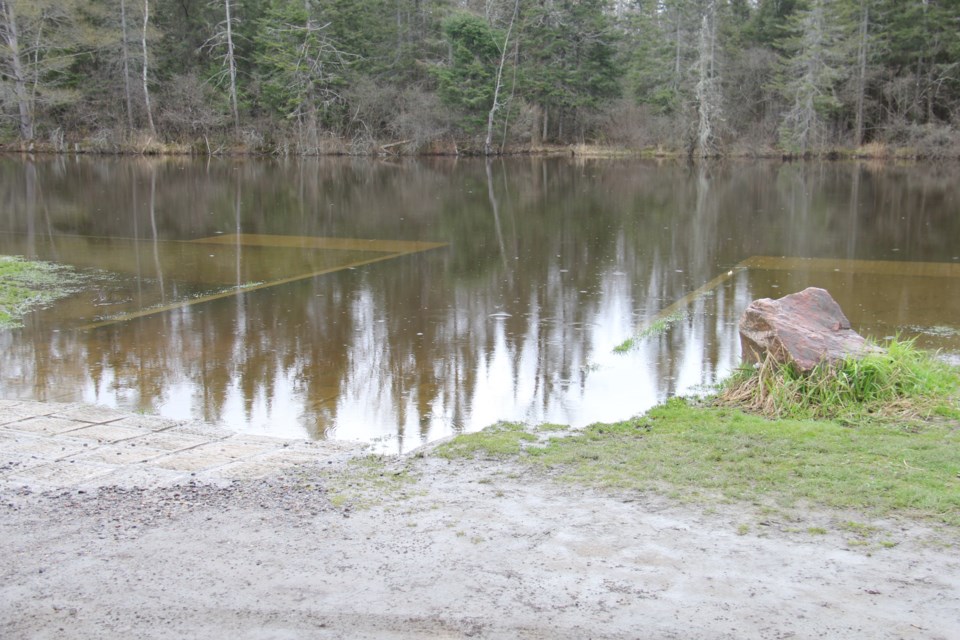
column 401, row 301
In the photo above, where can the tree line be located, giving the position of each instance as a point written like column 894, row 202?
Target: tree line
column 702, row 77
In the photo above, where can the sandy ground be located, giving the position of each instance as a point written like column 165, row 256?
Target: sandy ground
column 467, row 549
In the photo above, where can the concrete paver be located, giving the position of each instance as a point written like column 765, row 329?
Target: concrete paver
column 58, row 445
column 113, row 454
column 14, row 413
column 41, row 447
column 59, row 473
column 153, row 423
column 170, row 441
column 89, row 413
column 107, row 433
column 208, row 456
column 45, row 425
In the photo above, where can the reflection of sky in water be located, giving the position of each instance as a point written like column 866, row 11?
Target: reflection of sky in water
column 516, row 318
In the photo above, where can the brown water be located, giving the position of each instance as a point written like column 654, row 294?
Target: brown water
column 399, row 302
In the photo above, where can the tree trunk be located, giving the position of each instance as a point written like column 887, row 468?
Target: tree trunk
column 677, row 75
column 126, row 63
column 11, row 39
column 861, row 71
column 146, row 90
column 232, row 63
column 536, row 137
column 708, row 91
column 488, row 143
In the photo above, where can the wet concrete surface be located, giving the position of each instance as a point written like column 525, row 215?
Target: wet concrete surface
column 59, row 445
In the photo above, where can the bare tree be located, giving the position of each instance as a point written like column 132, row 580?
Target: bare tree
column 126, row 63
column 708, row 90
column 231, row 60
column 863, row 43
column 39, row 40
column 223, row 38
column 14, row 67
column 146, row 89
column 307, row 66
column 488, row 142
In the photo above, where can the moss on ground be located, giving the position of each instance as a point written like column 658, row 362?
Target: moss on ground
column 26, row 285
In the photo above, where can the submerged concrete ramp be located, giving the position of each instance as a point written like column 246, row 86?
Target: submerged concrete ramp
column 52, row 445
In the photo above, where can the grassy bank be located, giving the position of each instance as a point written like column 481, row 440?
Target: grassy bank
column 896, row 462
column 897, row 381
column 27, row 285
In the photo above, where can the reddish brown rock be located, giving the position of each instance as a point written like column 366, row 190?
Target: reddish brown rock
column 803, row 329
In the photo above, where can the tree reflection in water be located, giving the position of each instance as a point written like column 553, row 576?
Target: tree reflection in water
column 549, row 264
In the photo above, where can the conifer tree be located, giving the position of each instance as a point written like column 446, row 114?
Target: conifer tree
column 811, row 72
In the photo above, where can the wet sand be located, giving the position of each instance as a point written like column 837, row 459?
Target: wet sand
column 480, row 549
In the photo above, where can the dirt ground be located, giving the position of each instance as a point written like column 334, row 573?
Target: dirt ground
column 463, row 549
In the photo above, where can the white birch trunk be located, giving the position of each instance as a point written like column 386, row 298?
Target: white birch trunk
column 126, row 63
column 488, row 143
column 232, row 65
column 11, row 38
column 146, row 89
column 862, row 45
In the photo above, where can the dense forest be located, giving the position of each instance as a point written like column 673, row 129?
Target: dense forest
column 698, row 77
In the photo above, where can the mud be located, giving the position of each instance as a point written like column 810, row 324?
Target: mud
column 467, row 549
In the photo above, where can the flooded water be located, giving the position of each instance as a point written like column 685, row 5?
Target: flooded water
column 398, row 302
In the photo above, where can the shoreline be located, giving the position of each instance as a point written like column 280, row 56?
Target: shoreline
column 870, row 152
column 419, row 546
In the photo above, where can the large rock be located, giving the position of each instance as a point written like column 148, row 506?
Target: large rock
column 802, row 329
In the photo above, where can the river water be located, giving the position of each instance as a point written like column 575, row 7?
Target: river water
column 398, row 302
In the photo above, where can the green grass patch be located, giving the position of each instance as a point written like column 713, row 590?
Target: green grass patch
column 498, row 441
column 709, row 453
column 552, row 428
column 879, row 435
column 658, row 327
column 26, row 285
column 897, row 381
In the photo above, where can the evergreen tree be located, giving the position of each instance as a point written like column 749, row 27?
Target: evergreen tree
column 771, row 23
column 468, row 81
column 569, row 59
column 811, row 72
column 921, row 52
column 303, row 69
column 652, row 54
column 857, row 19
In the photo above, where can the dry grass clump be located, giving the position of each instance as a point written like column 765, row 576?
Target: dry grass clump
column 876, row 150
column 901, row 381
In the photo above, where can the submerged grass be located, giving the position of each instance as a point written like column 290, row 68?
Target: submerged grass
column 26, row 285
column 656, row 328
column 891, row 443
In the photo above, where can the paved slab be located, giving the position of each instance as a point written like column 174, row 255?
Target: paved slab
column 60, row 445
